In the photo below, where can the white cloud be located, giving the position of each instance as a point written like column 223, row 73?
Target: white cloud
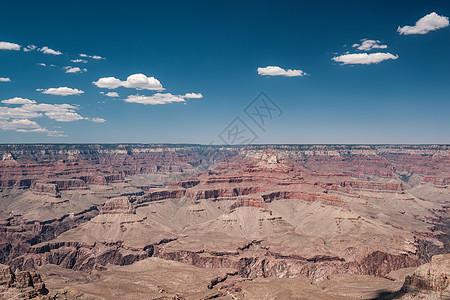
column 142, row 82
column 108, row 83
column 110, row 94
column 44, row 130
column 155, row 99
column 364, row 58
column 61, row 91
column 7, row 113
column 18, row 100
column 159, row 98
column 9, row 46
column 47, row 50
column 92, row 56
column 57, row 112
column 136, row 81
column 98, row 120
column 29, row 48
column 277, row 71
column 193, row 96
column 430, row 22
column 70, row 69
column 42, row 64
column 367, row 45
column 25, row 125
column 79, row 61
column 60, row 112
column 5, row 79
column 18, row 118
column 18, row 124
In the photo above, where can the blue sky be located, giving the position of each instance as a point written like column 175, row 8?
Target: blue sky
column 193, row 67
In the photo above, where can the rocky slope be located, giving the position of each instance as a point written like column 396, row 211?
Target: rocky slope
column 20, row 284
column 282, row 211
column 431, row 280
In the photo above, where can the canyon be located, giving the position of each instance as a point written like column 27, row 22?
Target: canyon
column 137, row 221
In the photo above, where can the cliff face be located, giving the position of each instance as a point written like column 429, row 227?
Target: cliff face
column 263, row 211
column 432, row 278
column 117, row 205
column 20, row 284
column 73, row 166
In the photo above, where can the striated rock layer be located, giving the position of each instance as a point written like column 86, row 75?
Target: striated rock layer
column 431, row 279
column 261, row 211
column 20, row 284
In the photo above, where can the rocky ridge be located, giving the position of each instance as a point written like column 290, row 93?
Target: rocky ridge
column 264, row 212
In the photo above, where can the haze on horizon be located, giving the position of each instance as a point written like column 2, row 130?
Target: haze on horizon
column 193, row 72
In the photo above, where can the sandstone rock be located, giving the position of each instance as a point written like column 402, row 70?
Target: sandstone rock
column 6, row 276
column 278, row 211
column 431, row 277
column 44, row 188
column 117, row 205
column 21, row 284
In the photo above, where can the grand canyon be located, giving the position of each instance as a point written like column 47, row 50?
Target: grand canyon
column 154, row 221
column 229, row 150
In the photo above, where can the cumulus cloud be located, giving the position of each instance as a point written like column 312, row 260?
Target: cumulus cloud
column 44, row 130
column 160, row 98
column 5, row 79
column 277, row 71
column 367, row 45
column 98, row 120
column 70, row 69
column 110, row 94
column 7, row 113
column 155, row 99
column 18, row 100
column 29, row 48
column 108, row 83
column 61, row 91
column 79, row 61
column 9, row 46
column 193, row 96
column 364, row 58
column 430, row 22
column 92, row 56
column 136, row 81
column 18, row 118
column 47, row 50
column 142, row 82
column 25, row 125
column 57, row 112
column 18, row 124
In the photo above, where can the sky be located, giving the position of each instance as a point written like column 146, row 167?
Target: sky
column 225, row 72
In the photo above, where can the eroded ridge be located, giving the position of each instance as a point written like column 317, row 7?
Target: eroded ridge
column 255, row 212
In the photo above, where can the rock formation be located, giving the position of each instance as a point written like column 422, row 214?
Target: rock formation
column 430, row 280
column 20, row 284
column 260, row 212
